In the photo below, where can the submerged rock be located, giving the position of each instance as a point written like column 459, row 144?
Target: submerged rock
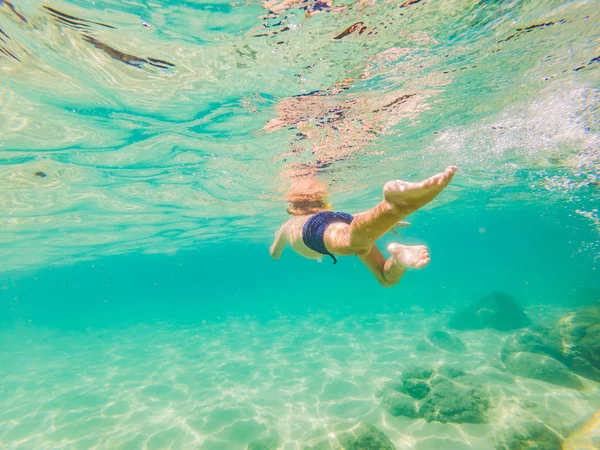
column 531, row 425
column 446, row 341
column 559, row 421
column 574, row 340
column 529, row 436
column 499, row 311
column 425, row 346
column 365, row 437
column 541, row 367
column 416, row 388
column 419, row 372
column 415, row 382
column 443, row 395
column 451, row 372
column 454, row 402
column 398, row 404
column 361, row 437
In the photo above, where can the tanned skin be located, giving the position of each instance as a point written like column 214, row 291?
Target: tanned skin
column 400, row 199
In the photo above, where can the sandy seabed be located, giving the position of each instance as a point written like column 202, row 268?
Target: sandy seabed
column 223, row 385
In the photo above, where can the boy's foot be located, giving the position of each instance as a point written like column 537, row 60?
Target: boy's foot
column 411, row 256
column 409, row 197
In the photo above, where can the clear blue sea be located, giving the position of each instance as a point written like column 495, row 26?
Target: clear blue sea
column 146, row 148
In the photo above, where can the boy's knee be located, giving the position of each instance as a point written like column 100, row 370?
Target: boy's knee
column 360, row 250
column 387, row 284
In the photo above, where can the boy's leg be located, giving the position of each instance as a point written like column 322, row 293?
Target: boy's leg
column 401, row 198
column 389, row 272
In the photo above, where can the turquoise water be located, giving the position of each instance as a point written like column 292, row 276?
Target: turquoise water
column 146, row 149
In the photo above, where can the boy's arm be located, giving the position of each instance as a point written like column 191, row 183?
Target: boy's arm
column 278, row 243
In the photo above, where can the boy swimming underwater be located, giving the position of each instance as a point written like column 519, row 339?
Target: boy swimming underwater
column 313, row 235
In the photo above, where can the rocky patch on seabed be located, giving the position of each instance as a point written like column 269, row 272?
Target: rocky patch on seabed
column 573, row 340
column 532, row 426
column 541, row 367
column 363, row 436
column 533, row 435
column 443, row 395
column 559, row 353
column 442, row 340
column 499, row 311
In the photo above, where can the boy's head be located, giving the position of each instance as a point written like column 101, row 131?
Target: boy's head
column 307, row 196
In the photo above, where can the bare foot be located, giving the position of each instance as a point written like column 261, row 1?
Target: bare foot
column 409, row 197
column 410, row 256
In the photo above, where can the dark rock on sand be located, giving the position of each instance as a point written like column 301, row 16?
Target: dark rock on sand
column 529, row 436
column 365, row 437
column 398, row 404
column 541, row 367
column 416, row 388
column 498, row 310
column 451, row 372
column 553, row 418
column 415, row 382
column 443, row 395
column 539, row 339
column 361, row 437
column 422, row 373
column 425, row 346
column 269, row 443
column 573, row 340
column 450, row 401
column 446, row 341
